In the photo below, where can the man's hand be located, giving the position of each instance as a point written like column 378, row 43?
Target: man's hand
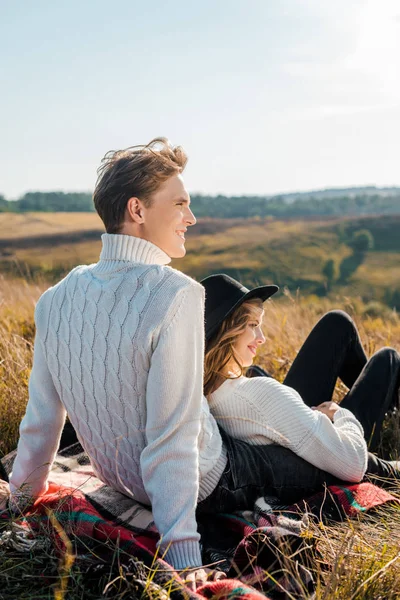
column 4, row 494
column 199, row 577
column 328, row 408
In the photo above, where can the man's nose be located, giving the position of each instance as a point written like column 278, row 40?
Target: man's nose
column 190, row 218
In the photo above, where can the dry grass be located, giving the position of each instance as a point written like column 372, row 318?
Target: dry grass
column 17, row 302
column 360, row 559
column 23, row 225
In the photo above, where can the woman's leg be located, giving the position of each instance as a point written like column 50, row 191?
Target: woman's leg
column 68, row 436
column 333, row 349
column 374, row 393
column 255, row 471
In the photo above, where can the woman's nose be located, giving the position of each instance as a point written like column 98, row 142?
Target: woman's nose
column 260, row 337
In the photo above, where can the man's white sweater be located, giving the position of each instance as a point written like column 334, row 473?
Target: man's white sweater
column 261, row 410
column 119, row 347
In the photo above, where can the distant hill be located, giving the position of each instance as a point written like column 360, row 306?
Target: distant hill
column 333, row 202
column 351, row 192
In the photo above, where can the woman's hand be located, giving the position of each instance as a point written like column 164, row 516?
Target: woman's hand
column 328, row 408
column 199, row 577
column 4, row 494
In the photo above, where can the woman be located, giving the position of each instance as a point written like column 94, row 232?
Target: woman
column 324, row 442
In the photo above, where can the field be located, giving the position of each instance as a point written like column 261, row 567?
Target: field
column 290, row 253
column 35, row 249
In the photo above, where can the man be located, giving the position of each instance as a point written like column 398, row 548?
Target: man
column 119, row 347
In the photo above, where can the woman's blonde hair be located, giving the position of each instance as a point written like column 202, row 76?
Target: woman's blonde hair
column 220, row 349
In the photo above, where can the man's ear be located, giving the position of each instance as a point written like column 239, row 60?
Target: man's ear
column 135, row 210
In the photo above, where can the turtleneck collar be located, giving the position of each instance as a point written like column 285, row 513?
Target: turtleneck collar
column 117, row 247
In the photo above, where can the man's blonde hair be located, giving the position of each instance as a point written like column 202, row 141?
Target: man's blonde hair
column 220, row 349
column 134, row 172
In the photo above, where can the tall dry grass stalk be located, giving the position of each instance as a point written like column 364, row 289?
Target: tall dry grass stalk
column 357, row 559
column 361, row 558
column 17, row 303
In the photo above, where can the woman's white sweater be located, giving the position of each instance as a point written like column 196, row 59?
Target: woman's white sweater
column 119, row 347
column 261, row 410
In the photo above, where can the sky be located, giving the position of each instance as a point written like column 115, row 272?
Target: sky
column 265, row 96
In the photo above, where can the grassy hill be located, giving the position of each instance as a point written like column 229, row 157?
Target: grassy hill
column 288, row 252
column 22, row 225
column 293, row 254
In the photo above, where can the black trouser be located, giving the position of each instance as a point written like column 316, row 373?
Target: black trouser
column 333, row 349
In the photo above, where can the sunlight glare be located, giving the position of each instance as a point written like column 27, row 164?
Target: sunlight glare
column 377, row 51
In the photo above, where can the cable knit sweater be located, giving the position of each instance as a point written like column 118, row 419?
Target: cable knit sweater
column 261, row 410
column 119, row 347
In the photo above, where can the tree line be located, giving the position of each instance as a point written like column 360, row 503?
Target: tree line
column 227, row 206
column 49, row 202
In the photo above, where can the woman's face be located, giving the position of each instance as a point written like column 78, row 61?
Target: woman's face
column 247, row 343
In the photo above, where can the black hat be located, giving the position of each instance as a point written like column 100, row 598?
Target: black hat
column 224, row 294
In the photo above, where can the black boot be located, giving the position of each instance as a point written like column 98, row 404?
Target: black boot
column 382, row 472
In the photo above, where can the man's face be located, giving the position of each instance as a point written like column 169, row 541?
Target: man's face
column 168, row 217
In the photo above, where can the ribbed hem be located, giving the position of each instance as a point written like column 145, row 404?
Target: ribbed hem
column 117, row 247
column 209, row 482
column 182, row 555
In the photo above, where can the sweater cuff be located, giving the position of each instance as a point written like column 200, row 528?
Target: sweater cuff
column 343, row 413
column 184, row 555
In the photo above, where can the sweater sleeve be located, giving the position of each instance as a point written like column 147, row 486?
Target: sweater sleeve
column 338, row 448
column 170, row 461
column 40, row 431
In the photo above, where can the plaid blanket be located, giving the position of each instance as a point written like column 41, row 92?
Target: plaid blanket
column 267, row 552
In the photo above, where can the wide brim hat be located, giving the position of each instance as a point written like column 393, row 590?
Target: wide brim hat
column 224, row 294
